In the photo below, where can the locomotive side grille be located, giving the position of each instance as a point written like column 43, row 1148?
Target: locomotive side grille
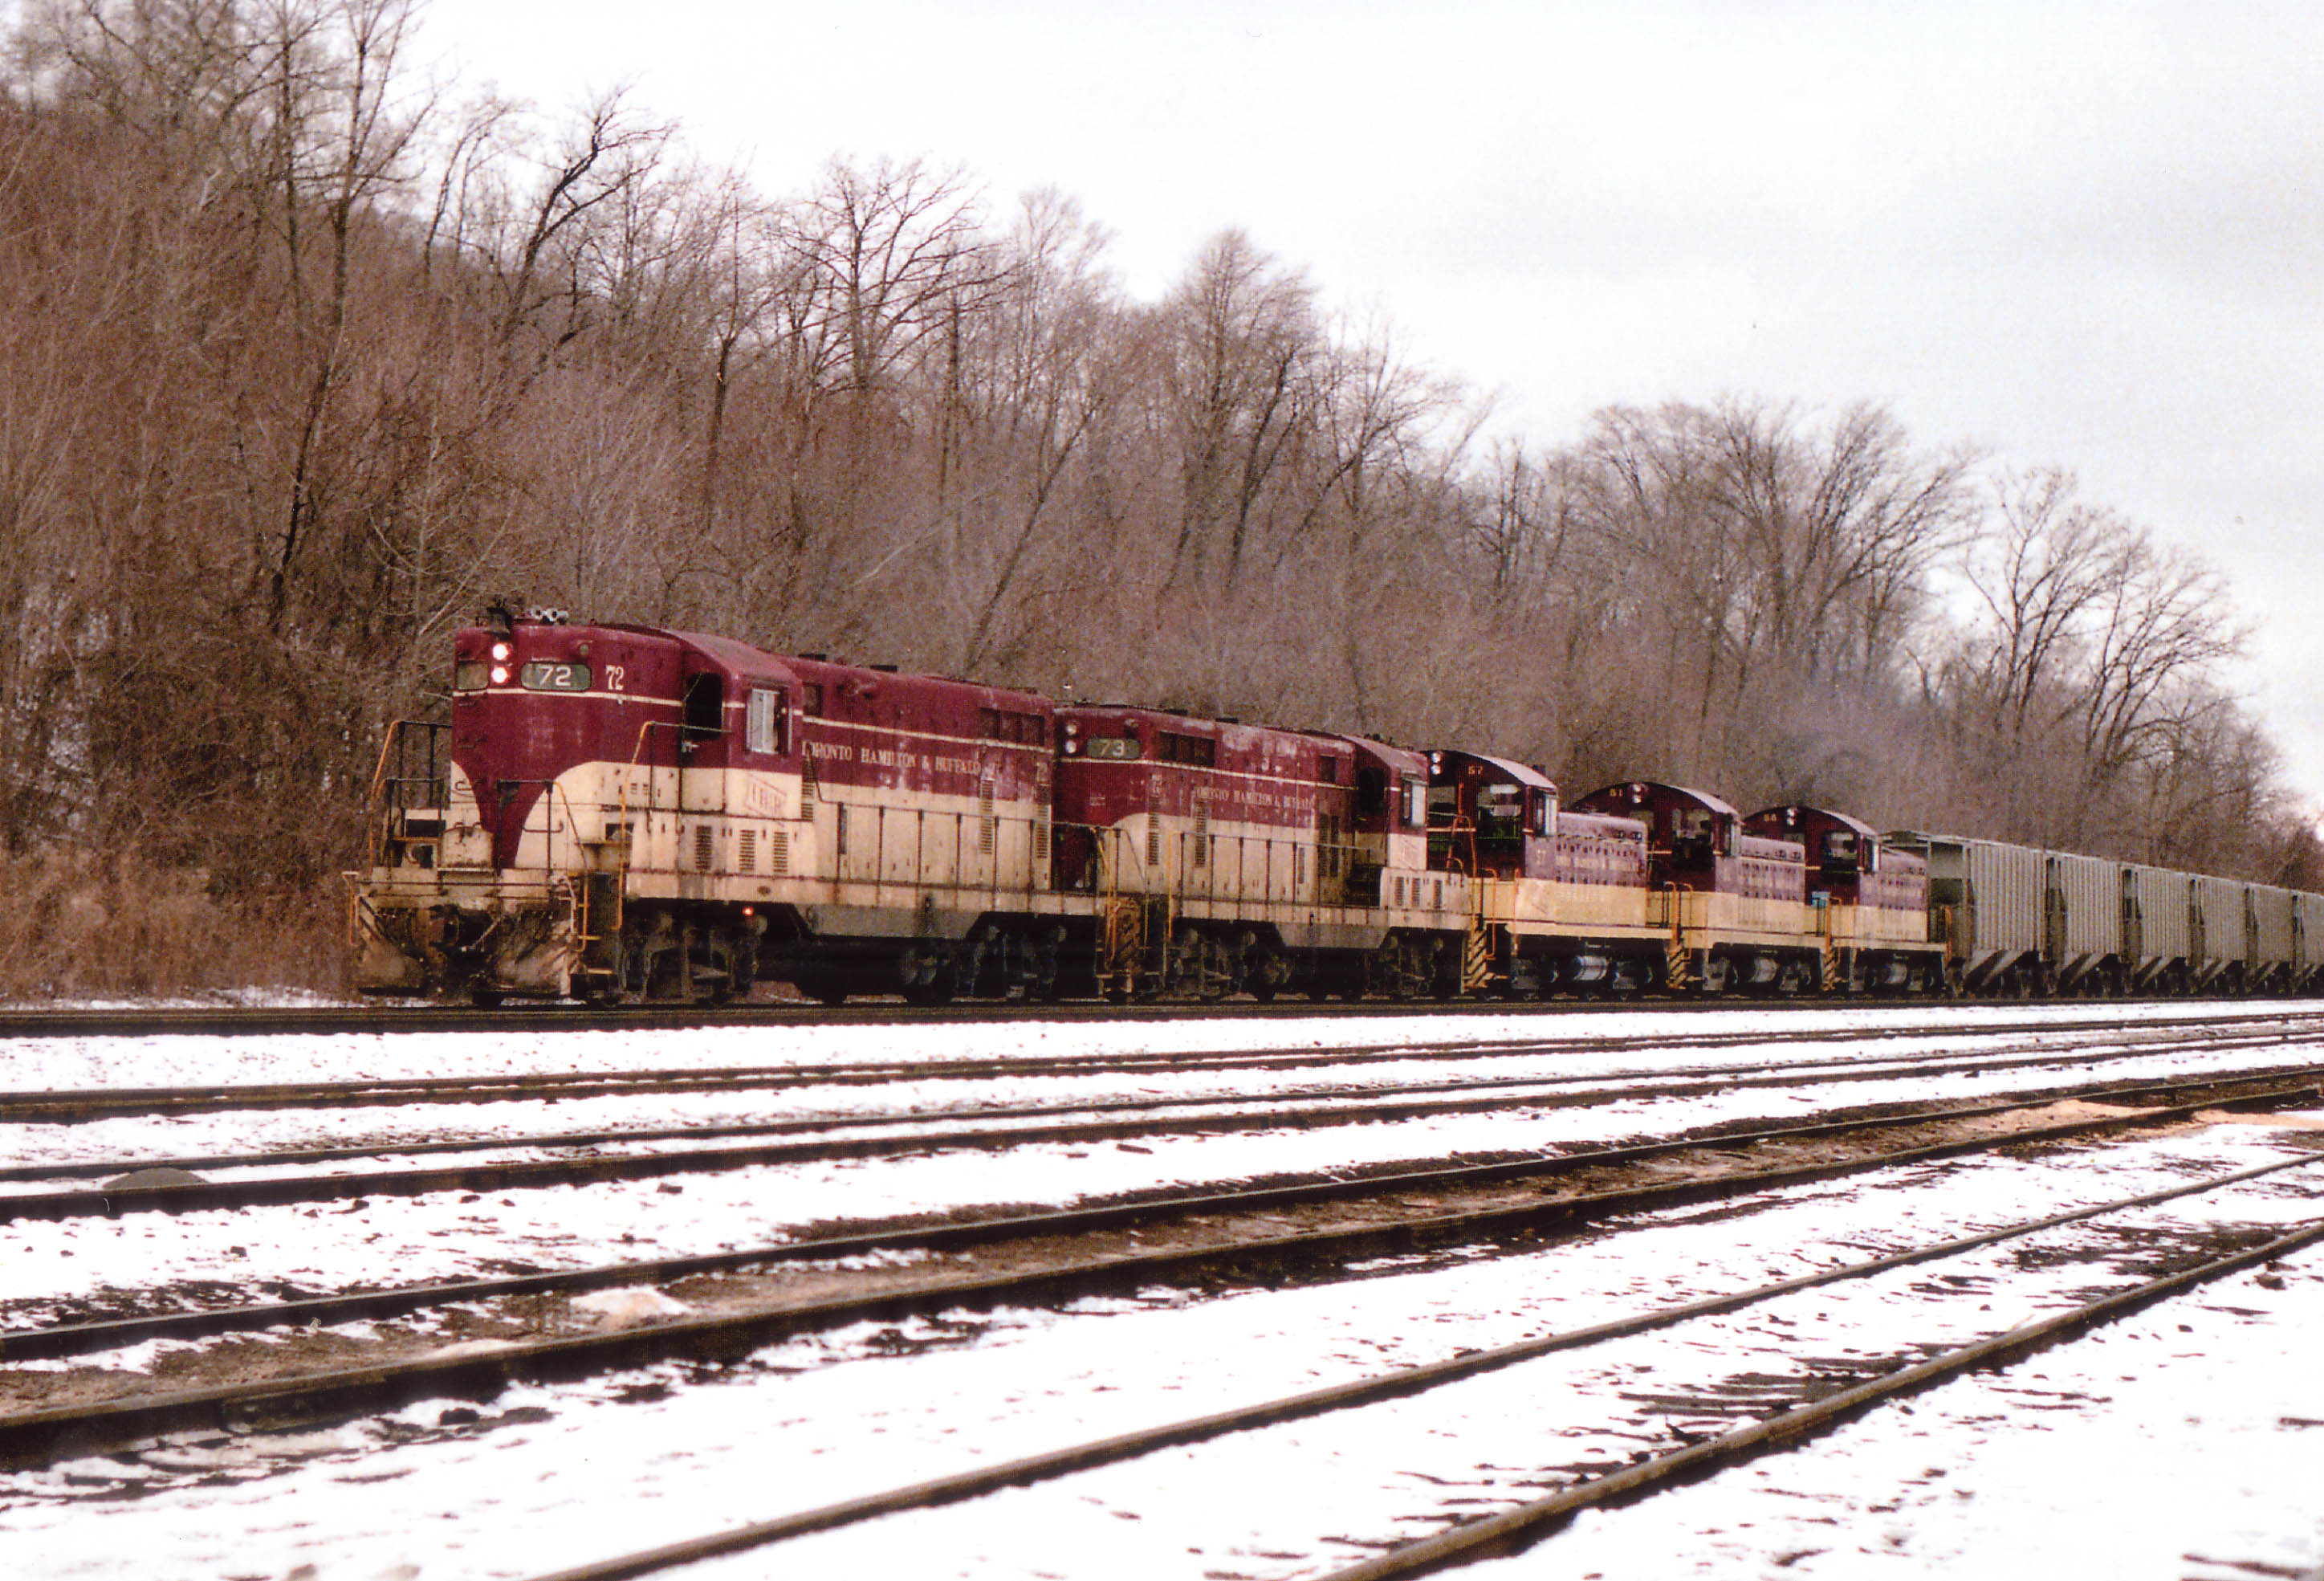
column 806, row 781
column 706, row 849
column 1202, row 853
column 779, row 852
column 746, row 850
column 1153, row 839
column 985, row 821
column 1041, row 837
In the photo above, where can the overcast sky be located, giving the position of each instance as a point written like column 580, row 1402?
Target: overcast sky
column 2087, row 235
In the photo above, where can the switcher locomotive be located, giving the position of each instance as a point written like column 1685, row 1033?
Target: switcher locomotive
column 626, row 814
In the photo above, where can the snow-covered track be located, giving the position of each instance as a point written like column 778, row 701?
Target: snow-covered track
column 1505, row 1532
column 79, row 1104
column 989, row 1129
column 2168, row 1100
column 33, row 1435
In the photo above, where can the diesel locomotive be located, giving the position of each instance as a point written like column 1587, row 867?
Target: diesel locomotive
column 625, row 813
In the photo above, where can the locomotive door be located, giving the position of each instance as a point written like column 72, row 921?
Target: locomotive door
column 703, row 744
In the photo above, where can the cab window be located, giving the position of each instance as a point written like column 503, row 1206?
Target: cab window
column 1500, row 809
column 706, row 707
column 765, row 723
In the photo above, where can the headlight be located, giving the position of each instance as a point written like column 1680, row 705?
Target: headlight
column 500, row 675
column 501, row 651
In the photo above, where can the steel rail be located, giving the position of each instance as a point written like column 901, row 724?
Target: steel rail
column 1578, row 1091
column 279, row 1190
column 393, row 1021
column 1407, row 1380
column 1517, row 1529
column 236, row 1021
column 31, row 1436
column 77, row 1103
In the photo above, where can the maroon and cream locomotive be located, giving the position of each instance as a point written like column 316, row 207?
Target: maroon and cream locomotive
column 625, row 813
column 629, row 814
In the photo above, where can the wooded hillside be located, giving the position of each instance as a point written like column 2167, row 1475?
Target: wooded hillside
column 303, row 359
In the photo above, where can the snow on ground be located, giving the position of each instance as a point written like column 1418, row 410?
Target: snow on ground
column 2183, row 1444
column 39, row 1063
column 125, row 1139
column 447, row 1235
column 554, row 1475
column 395, row 1239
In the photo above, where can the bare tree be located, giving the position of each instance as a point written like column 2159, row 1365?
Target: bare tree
column 1240, row 328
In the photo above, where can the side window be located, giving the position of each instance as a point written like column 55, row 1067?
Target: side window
column 1415, row 802
column 766, row 721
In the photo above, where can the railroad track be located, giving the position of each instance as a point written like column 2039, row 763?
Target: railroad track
column 236, row 1021
column 987, row 1128
column 69, row 1105
column 1059, row 1254
column 1787, row 1424
column 267, row 1385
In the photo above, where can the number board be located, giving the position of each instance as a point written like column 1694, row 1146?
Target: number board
column 547, row 675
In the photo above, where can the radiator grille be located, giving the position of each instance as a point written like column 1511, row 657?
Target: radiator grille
column 1153, row 839
column 779, row 852
column 746, row 850
column 985, row 819
column 706, row 847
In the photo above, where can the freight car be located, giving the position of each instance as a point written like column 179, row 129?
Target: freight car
column 626, row 813
column 2023, row 921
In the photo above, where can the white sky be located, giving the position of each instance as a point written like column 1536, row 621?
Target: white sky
column 2089, row 235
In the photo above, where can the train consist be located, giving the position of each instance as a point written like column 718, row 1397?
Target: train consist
column 625, row 813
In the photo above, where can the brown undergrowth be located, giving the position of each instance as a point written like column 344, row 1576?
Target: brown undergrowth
column 81, row 926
